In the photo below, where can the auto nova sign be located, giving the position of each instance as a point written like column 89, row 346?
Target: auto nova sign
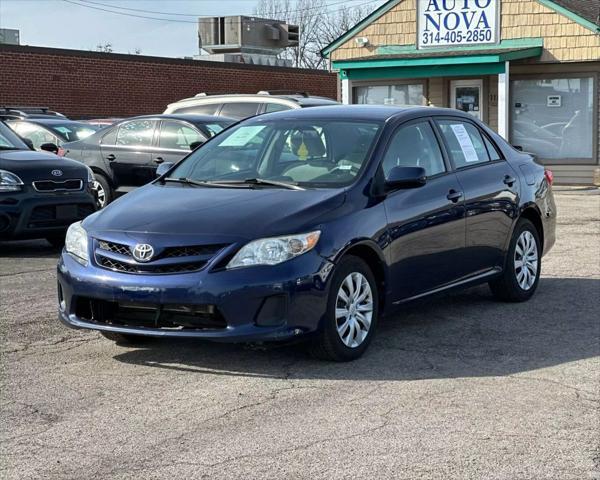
column 457, row 22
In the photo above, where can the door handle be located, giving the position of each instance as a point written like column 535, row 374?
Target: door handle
column 159, row 160
column 111, row 157
column 509, row 180
column 454, row 196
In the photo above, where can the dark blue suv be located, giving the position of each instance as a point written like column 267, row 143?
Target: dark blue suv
column 311, row 223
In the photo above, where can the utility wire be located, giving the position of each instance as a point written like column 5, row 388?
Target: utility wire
column 73, row 2
column 178, row 14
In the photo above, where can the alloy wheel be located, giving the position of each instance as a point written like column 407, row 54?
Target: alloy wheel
column 100, row 193
column 526, row 260
column 354, row 309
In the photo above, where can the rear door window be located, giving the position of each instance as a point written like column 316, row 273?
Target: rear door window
column 110, row 137
column 465, row 143
column 136, row 133
column 239, row 110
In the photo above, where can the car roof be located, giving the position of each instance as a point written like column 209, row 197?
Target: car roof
column 294, row 97
column 381, row 113
column 189, row 117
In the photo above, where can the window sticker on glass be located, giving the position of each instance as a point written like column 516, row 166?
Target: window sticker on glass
column 242, row 136
column 466, row 144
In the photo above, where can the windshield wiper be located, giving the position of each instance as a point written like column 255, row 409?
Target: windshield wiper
column 4, row 147
column 262, row 181
column 199, row 183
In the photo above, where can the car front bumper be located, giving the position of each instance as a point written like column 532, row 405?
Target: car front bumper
column 263, row 303
column 37, row 215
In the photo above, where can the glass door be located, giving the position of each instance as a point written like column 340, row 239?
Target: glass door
column 467, row 95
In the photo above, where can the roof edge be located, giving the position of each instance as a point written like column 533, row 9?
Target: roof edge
column 383, row 9
column 571, row 15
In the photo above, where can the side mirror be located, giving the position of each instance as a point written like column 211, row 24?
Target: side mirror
column 405, row 177
column 163, row 168
column 518, row 147
column 49, row 147
column 195, row 145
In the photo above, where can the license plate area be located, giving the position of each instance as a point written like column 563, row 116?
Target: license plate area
column 66, row 212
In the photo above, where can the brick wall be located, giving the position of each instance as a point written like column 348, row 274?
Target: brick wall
column 92, row 84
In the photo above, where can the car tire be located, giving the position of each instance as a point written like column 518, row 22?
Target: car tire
column 57, row 241
column 522, row 267
column 103, row 190
column 345, row 338
column 125, row 339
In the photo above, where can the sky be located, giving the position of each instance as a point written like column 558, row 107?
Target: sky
column 69, row 24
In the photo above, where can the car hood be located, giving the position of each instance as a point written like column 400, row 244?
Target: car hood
column 224, row 213
column 30, row 165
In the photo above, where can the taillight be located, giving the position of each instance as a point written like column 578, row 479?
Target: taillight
column 549, row 176
column 61, row 152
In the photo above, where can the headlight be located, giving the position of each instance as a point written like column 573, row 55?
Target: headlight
column 271, row 251
column 9, row 182
column 90, row 178
column 76, row 243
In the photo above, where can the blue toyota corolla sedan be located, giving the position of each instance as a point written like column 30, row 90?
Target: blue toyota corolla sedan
column 311, row 223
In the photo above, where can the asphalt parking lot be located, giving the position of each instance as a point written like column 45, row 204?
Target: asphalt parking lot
column 460, row 387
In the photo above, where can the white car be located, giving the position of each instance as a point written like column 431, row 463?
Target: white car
column 240, row 106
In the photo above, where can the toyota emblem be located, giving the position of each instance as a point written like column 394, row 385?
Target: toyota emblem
column 57, row 173
column 143, row 252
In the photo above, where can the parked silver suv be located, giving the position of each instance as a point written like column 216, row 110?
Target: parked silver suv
column 241, row 106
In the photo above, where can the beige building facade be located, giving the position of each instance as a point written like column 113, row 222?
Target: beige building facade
column 528, row 68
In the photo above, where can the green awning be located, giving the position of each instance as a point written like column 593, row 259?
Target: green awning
column 407, row 62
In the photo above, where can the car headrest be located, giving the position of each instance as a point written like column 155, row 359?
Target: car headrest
column 307, row 143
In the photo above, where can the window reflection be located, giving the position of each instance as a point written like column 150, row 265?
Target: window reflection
column 553, row 118
column 405, row 94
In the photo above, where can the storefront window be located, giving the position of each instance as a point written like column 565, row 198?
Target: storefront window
column 402, row 94
column 554, row 118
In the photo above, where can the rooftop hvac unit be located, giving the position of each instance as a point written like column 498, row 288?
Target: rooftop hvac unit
column 239, row 34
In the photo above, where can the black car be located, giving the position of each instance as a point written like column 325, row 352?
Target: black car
column 50, row 133
column 40, row 194
column 126, row 155
column 309, row 224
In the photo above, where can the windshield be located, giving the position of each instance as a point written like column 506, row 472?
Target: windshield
column 317, row 153
column 9, row 140
column 73, row 131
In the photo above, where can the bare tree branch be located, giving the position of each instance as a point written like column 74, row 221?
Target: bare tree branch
column 318, row 26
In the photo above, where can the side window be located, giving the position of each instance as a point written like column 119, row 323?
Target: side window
column 465, row 143
column 275, row 107
column 492, row 150
column 110, row 137
column 414, row 145
column 206, row 109
column 38, row 135
column 239, row 110
column 136, row 133
column 178, row 136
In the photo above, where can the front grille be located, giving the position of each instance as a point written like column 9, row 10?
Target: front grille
column 191, row 251
column 115, row 247
column 117, row 266
column 192, row 258
column 58, row 215
column 169, row 252
column 167, row 316
column 71, row 185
